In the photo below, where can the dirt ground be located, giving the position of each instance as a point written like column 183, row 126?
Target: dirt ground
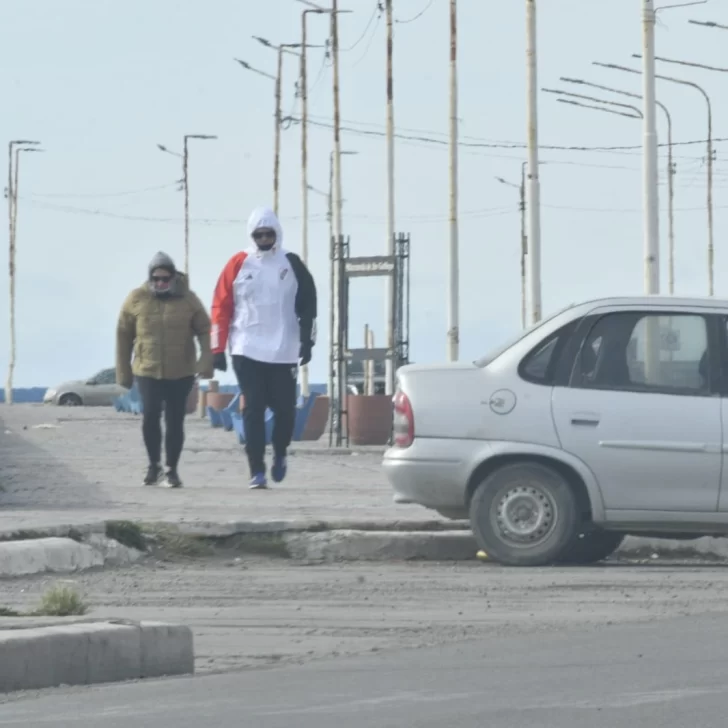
column 253, row 611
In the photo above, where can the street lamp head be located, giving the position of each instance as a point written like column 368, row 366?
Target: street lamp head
column 30, row 149
column 243, row 64
column 265, row 42
column 162, row 148
column 566, row 79
column 24, row 142
column 200, row 136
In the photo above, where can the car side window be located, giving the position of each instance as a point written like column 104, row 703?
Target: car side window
column 539, row 365
column 106, row 376
column 645, row 352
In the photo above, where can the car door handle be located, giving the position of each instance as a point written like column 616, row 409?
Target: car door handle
column 585, row 420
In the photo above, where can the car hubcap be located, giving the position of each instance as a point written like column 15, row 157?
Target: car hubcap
column 525, row 515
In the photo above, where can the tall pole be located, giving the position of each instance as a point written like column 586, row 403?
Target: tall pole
column 277, row 150
column 13, row 227
column 186, row 186
column 333, row 305
column 524, row 243
column 389, row 299
column 670, row 204
column 304, row 171
column 649, row 156
column 453, row 311
column 338, row 234
column 534, row 189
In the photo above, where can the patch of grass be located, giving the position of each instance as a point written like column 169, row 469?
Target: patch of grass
column 127, row 533
column 172, row 543
column 61, row 601
column 7, row 612
column 23, row 536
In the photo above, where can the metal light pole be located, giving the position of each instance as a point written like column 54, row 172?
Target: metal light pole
column 670, row 172
column 453, row 309
column 389, row 298
column 700, row 89
column 186, row 186
column 711, row 254
column 649, row 155
column 17, row 147
column 524, row 237
column 534, row 186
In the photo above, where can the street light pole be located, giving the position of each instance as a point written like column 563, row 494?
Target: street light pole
column 186, row 187
column 700, row 89
column 453, row 309
column 524, row 238
column 389, row 298
column 534, row 185
column 670, row 172
column 14, row 146
column 649, row 155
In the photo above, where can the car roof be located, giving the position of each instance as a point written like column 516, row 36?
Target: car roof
column 657, row 300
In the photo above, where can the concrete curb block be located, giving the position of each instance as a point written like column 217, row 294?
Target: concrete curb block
column 707, row 547
column 87, row 653
column 62, row 555
column 349, row 545
column 82, row 531
column 208, row 529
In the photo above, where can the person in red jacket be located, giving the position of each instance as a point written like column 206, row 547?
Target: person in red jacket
column 264, row 313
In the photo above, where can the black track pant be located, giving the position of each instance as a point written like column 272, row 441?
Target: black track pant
column 266, row 385
column 170, row 395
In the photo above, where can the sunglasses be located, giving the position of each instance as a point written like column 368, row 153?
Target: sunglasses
column 262, row 234
column 161, row 279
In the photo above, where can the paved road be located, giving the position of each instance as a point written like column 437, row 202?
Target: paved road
column 669, row 674
column 74, row 466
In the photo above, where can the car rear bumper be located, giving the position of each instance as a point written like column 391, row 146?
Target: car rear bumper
column 431, row 472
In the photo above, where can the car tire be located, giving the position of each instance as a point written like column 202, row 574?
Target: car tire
column 524, row 514
column 70, row 400
column 591, row 547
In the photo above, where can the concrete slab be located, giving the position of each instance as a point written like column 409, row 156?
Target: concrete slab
column 85, row 653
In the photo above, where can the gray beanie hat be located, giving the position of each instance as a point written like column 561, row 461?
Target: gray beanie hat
column 162, row 260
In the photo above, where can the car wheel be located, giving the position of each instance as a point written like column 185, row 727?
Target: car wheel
column 591, row 547
column 524, row 514
column 70, row 400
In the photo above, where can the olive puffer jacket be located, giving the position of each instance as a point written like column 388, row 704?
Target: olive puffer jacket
column 161, row 331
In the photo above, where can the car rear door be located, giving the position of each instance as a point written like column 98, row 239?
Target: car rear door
column 641, row 407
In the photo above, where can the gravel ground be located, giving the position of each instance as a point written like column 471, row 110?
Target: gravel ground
column 73, row 466
column 253, row 611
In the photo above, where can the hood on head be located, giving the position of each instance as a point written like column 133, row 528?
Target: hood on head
column 162, row 260
column 264, row 217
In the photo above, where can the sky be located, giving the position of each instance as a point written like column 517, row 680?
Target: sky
column 101, row 83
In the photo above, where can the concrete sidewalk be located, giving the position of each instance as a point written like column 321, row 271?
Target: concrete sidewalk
column 85, row 465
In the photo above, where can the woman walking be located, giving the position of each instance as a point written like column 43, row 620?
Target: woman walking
column 159, row 322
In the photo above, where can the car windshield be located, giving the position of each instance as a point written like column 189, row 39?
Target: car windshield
column 495, row 353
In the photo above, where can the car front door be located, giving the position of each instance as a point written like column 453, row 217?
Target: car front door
column 101, row 390
column 641, row 408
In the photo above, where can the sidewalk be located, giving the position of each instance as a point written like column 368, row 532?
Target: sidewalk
column 75, row 466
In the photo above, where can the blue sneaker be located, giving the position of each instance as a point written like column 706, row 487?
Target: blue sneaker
column 279, row 469
column 258, row 481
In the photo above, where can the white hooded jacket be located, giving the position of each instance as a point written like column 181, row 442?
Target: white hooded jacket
column 264, row 305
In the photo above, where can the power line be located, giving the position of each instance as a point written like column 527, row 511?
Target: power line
column 377, row 9
column 416, row 17
column 497, row 145
column 105, row 194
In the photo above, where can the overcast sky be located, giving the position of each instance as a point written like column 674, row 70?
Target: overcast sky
column 102, row 82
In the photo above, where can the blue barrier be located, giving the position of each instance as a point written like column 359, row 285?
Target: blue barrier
column 25, row 395
column 239, row 427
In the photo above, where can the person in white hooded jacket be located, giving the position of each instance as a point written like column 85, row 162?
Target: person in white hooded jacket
column 264, row 313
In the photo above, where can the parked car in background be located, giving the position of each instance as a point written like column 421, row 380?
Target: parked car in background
column 607, row 419
column 99, row 391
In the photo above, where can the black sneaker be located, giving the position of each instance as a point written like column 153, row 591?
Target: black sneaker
column 173, row 479
column 154, row 475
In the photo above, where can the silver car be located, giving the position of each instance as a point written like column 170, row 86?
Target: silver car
column 609, row 418
column 100, row 390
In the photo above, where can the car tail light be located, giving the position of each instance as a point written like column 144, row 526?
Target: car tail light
column 403, row 428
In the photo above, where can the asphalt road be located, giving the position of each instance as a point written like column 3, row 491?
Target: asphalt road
column 666, row 674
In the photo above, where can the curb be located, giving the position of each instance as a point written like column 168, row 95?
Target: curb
column 350, row 545
column 706, row 547
column 91, row 652
column 62, row 555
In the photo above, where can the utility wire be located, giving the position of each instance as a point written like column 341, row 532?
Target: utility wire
column 377, row 9
column 416, row 17
column 504, row 145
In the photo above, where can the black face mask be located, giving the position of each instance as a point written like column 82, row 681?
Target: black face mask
column 265, row 246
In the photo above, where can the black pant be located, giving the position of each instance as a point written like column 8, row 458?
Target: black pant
column 266, row 385
column 170, row 394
